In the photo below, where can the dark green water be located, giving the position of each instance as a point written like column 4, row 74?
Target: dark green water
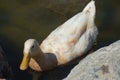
column 24, row 19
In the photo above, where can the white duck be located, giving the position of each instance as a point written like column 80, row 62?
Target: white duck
column 67, row 42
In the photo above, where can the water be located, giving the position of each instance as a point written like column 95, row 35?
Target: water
column 24, row 19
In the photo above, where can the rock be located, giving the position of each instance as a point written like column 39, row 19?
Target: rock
column 103, row 64
column 5, row 69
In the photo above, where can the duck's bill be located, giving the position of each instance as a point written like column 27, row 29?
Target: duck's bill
column 25, row 61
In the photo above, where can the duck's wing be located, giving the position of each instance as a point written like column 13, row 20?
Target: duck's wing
column 63, row 38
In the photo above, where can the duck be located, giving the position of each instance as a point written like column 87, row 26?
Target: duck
column 68, row 41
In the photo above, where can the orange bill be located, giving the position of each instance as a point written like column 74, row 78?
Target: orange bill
column 25, row 61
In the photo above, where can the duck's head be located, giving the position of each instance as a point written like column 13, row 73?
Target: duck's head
column 31, row 48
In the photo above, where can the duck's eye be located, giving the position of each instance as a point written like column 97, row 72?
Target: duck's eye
column 32, row 47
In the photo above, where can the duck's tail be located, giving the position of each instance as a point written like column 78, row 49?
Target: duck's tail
column 90, row 8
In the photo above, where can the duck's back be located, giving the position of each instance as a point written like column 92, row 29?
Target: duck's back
column 70, row 36
column 65, row 35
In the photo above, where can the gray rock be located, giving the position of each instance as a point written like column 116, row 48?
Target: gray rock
column 103, row 64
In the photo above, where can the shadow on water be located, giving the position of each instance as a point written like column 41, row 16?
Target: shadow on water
column 23, row 19
column 14, row 58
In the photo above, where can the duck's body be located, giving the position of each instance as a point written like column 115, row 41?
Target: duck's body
column 69, row 41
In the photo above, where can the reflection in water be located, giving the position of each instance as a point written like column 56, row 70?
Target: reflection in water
column 23, row 19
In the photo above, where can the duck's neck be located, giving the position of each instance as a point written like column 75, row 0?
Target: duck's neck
column 43, row 61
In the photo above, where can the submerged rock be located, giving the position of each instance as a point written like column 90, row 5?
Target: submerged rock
column 5, row 69
column 104, row 64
